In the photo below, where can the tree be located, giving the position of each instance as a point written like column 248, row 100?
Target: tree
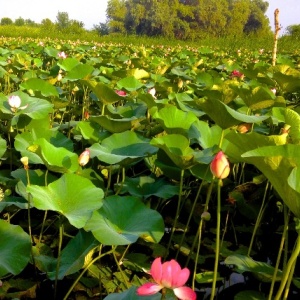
column 20, row 21
column 101, row 28
column 62, row 20
column 6, row 21
column 188, row 18
column 116, row 13
column 257, row 21
column 239, row 14
column 212, row 16
column 294, row 30
column 30, row 22
column 48, row 25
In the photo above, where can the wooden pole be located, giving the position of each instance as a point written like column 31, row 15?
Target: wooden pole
column 277, row 29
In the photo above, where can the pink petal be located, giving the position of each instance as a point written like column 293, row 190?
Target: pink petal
column 156, row 270
column 167, row 274
column 181, row 277
column 185, row 293
column 148, row 289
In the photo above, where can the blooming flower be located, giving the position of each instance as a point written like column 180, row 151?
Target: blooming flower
column 84, row 157
column 273, row 90
column 14, row 102
column 220, row 166
column 238, row 74
column 152, row 92
column 121, row 93
column 62, row 55
column 168, row 275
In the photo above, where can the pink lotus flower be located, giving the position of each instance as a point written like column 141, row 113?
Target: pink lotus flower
column 220, row 166
column 62, row 55
column 121, row 93
column 238, row 74
column 84, row 157
column 168, row 275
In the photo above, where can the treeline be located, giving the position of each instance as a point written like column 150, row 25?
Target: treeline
column 62, row 24
column 185, row 19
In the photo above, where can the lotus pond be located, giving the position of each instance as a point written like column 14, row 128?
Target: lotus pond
column 106, row 155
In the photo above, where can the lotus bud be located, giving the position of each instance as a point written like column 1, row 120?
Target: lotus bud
column 205, row 216
column 84, row 157
column 220, row 166
column 25, row 162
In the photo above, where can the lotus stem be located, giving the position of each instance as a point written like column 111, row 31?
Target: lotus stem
column 189, row 218
column 218, row 232
column 120, row 269
column 258, row 219
column 177, row 210
column 199, row 232
column 283, row 238
column 61, row 232
column 83, row 272
column 288, row 268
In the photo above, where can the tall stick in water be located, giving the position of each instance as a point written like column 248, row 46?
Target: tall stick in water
column 277, row 29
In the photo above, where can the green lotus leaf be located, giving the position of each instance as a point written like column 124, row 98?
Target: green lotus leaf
column 80, row 71
column 138, row 73
column 129, row 83
column 146, row 186
column 123, row 148
column 26, row 139
column 2, row 146
column 122, row 220
column 68, row 64
column 273, row 157
column 116, row 125
column 225, row 116
column 56, row 159
column 37, row 84
column 14, row 249
column 175, row 120
column 103, row 92
column 71, row 195
column 34, row 108
column 244, row 263
column 177, row 147
column 72, row 256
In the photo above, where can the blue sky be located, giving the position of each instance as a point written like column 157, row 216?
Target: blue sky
column 92, row 12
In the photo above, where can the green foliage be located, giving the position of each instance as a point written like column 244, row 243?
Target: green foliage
column 20, row 21
column 188, row 19
column 6, row 21
column 294, row 30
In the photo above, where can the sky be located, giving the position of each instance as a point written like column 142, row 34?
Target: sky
column 92, row 12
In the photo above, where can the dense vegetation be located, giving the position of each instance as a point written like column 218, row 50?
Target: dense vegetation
column 188, row 19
